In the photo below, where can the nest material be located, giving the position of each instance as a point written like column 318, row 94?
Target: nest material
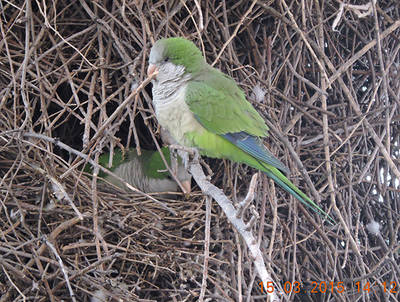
column 332, row 95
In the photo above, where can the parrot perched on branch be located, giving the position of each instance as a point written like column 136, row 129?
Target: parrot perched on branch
column 146, row 172
column 203, row 108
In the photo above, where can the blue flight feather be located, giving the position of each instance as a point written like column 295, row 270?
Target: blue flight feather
column 254, row 147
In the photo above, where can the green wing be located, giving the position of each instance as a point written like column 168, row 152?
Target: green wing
column 220, row 105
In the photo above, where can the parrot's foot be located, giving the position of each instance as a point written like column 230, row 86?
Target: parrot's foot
column 185, row 153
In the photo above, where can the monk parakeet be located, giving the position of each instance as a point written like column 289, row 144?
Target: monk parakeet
column 203, row 108
column 146, row 172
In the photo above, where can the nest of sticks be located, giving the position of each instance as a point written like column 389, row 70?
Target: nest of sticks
column 326, row 77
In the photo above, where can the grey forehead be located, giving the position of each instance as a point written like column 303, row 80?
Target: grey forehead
column 156, row 53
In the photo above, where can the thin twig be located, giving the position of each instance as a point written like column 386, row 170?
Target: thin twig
column 206, row 248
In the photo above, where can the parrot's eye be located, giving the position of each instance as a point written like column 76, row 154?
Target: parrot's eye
column 166, row 59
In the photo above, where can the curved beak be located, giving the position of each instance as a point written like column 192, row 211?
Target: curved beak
column 151, row 69
column 187, row 186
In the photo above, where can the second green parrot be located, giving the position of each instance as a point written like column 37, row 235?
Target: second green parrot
column 146, row 172
column 205, row 109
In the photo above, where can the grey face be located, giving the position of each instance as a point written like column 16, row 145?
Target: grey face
column 157, row 53
column 167, row 71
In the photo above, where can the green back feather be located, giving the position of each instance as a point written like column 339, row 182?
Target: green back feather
column 151, row 161
column 154, row 164
column 221, row 106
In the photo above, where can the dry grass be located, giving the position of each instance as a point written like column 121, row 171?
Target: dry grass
column 332, row 98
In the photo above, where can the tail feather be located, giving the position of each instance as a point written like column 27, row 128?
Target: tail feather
column 243, row 148
column 288, row 186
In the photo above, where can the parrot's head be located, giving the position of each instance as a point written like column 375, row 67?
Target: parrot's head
column 174, row 56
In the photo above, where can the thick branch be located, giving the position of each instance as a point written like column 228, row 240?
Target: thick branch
column 238, row 223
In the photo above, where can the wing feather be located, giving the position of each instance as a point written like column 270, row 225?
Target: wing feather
column 220, row 106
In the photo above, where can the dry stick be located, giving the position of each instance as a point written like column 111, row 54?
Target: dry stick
column 171, row 172
column 88, row 116
column 122, row 106
column 387, row 105
column 234, row 32
column 58, row 190
column 226, row 297
column 384, row 74
column 353, row 129
column 13, row 284
column 324, row 87
column 230, row 212
column 48, row 25
column 6, row 91
column 305, row 80
column 60, row 262
column 106, row 27
column 195, row 25
column 52, row 237
column 206, row 248
column 132, row 120
column 274, row 206
column 373, row 154
column 260, row 234
column 68, row 76
column 42, row 270
column 296, row 158
column 63, row 41
column 91, row 267
column 95, row 218
column 304, row 112
column 24, row 92
column 337, row 75
column 239, row 267
column 245, row 203
column 126, row 58
column 201, row 24
column 372, row 132
column 304, row 172
column 16, row 269
column 305, row 40
column 95, row 198
column 385, row 102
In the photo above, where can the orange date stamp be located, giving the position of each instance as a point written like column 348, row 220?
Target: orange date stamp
column 322, row 287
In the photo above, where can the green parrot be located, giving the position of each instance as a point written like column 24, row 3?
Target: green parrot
column 146, row 172
column 203, row 108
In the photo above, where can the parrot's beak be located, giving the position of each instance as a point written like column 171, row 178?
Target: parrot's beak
column 151, row 69
column 187, row 186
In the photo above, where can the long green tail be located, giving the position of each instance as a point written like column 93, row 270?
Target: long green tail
column 288, row 186
column 243, row 148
